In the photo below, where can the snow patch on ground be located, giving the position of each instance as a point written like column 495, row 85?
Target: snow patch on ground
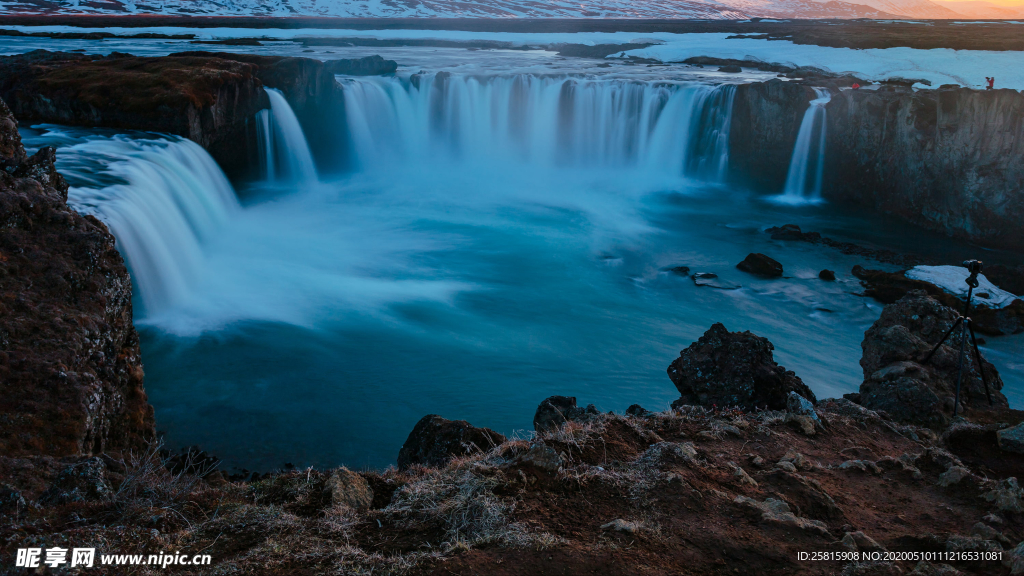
column 952, row 280
column 939, row 66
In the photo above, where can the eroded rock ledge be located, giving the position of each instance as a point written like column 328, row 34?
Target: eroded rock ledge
column 207, row 97
column 70, row 374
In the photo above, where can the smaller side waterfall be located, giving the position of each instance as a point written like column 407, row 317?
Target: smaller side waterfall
column 806, row 169
column 283, row 147
column 161, row 199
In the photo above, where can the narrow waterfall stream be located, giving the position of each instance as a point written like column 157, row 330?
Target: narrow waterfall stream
column 284, row 150
column 807, row 167
column 501, row 238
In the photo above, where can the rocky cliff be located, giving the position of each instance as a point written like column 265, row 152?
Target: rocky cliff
column 765, row 121
column 208, row 97
column 950, row 159
column 203, row 98
column 70, row 373
column 313, row 93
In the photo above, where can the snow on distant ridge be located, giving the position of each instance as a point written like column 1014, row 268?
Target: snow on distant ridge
column 694, row 9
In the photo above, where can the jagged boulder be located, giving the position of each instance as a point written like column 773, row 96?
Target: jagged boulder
column 725, row 368
column 897, row 381
column 557, row 410
column 436, row 440
column 761, row 265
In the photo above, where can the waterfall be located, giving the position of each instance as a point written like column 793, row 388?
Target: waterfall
column 709, row 156
column 265, row 144
column 283, row 148
column 160, row 198
column 662, row 127
column 806, row 169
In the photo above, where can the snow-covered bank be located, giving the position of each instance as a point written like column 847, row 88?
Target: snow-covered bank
column 938, row 66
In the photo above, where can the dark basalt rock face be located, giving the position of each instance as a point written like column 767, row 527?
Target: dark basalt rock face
column 202, row 98
column 896, row 379
column 761, row 265
column 733, row 369
column 765, row 121
column 207, row 97
column 435, row 440
column 314, row 95
column 950, row 159
column 368, row 66
column 70, row 373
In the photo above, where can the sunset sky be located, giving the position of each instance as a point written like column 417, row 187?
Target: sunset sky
column 1014, row 3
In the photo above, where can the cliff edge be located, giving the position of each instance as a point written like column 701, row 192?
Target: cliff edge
column 70, row 373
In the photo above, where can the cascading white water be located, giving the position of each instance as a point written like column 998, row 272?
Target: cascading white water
column 542, row 121
column 265, row 145
column 282, row 144
column 807, row 167
column 709, row 155
column 160, row 197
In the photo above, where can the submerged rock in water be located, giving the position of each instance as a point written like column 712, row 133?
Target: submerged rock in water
column 827, row 275
column 711, row 280
column 897, row 380
column 436, row 440
column 738, row 369
column 761, row 265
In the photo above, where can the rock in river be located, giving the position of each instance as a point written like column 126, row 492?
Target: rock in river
column 725, row 368
column 760, row 265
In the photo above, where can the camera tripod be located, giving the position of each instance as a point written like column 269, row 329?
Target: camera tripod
column 964, row 323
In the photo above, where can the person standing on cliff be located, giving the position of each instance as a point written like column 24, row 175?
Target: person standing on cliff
column 991, row 82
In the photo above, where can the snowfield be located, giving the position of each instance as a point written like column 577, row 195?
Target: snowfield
column 938, row 66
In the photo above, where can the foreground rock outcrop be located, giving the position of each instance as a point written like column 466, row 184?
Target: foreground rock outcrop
column 70, row 373
column 689, row 491
column 725, row 368
column 435, row 440
column 899, row 381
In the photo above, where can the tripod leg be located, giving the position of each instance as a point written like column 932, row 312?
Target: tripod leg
column 977, row 355
column 960, row 368
column 943, row 341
